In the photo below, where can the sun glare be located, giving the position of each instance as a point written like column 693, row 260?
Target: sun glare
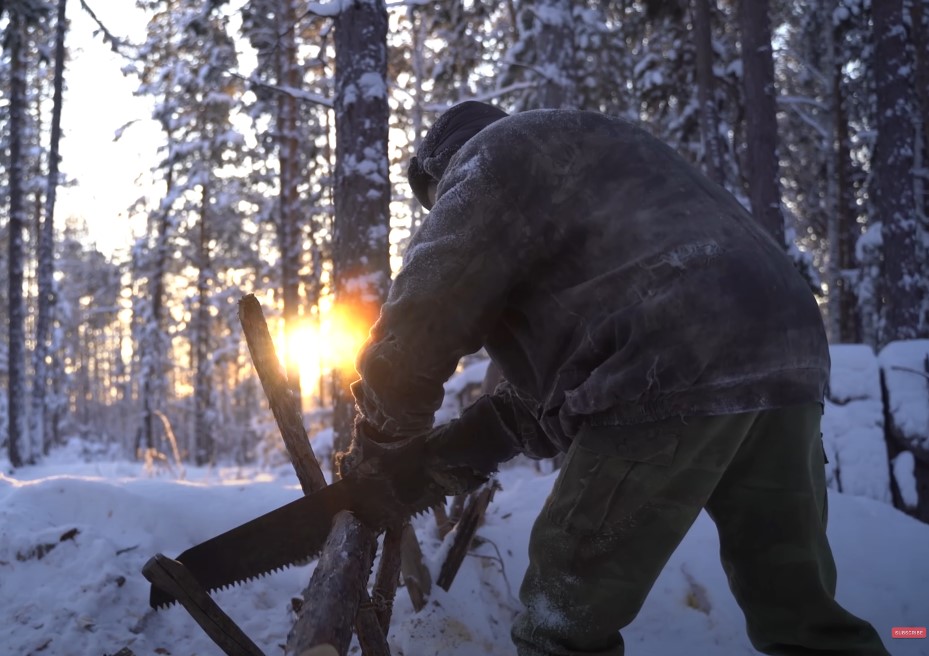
column 320, row 347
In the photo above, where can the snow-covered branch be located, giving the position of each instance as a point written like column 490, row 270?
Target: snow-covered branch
column 298, row 94
column 116, row 43
column 809, row 120
column 404, row 4
column 802, row 100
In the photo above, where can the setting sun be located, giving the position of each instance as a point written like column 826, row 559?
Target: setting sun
column 318, row 347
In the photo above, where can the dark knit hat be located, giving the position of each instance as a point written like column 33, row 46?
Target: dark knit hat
column 449, row 133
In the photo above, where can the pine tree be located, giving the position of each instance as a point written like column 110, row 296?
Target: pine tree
column 196, row 95
column 288, row 79
column 361, row 268
column 156, row 75
column 902, row 278
column 547, row 54
column 42, row 353
column 706, row 89
column 293, row 95
column 15, row 42
column 761, row 121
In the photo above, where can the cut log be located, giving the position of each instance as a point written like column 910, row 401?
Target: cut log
column 334, row 594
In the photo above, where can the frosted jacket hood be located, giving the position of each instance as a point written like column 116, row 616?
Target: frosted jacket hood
column 610, row 281
column 451, row 131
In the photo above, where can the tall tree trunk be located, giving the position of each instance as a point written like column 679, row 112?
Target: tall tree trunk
column 894, row 201
column 361, row 265
column 761, row 117
column 288, row 157
column 17, row 339
column 152, row 347
column 203, row 434
column 919, row 20
column 706, row 91
column 849, row 324
column 842, row 229
column 46, row 245
column 554, row 34
column 849, row 318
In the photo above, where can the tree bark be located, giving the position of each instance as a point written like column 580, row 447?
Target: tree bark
column 706, row 90
column 902, row 271
column 919, row 20
column 849, row 322
column 152, row 346
column 761, row 117
column 361, row 230
column 554, row 35
column 46, row 252
column 335, row 591
column 288, row 157
column 919, row 27
column 17, row 338
column 203, row 437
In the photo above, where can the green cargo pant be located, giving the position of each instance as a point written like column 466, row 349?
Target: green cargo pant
column 626, row 496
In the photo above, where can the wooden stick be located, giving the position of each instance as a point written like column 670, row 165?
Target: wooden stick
column 464, row 531
column 454, row 515
column 442, row 522
column 388, row 577
column 172, row 577
column 416, row 575
column 284, row 406
column 334, row 597
column 371, row 637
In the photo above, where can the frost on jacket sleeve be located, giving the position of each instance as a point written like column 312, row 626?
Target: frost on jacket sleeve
column 456, row 275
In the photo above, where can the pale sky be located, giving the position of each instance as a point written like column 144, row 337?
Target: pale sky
column 109, row 175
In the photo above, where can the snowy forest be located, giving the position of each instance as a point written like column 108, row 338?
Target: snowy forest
column 285, row 128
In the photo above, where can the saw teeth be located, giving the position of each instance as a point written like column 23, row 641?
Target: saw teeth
column 390, row 510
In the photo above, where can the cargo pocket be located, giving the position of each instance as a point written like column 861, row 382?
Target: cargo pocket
column 608, row 474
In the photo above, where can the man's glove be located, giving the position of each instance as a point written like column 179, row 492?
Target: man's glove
column 367, row 443
column 479, row 440
column 460, row 455
column 463, row 454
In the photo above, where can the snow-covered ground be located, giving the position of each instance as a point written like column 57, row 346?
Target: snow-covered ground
column 76, row 530
column 74, row 535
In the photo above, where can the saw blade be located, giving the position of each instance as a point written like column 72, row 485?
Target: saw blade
column 296, row 532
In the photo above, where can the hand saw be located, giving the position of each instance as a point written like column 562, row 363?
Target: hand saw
column 296, row 532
